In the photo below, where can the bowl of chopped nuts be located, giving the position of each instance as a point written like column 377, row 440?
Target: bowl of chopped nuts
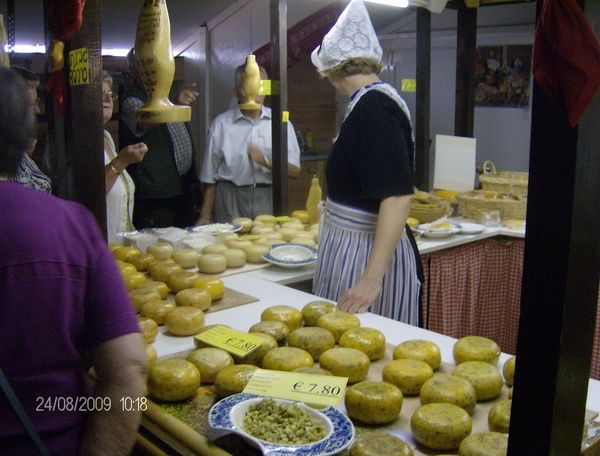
column 278, row 426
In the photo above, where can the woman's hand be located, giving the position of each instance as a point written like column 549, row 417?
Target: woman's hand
column 361, row 296
column 131, row 154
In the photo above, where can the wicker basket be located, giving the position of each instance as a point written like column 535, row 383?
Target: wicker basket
column 505, row 181
column 471, row 202
column 428, row 215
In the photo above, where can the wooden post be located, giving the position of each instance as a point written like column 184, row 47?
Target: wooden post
column 421, row 119
column 279, row 101
column 464, row 113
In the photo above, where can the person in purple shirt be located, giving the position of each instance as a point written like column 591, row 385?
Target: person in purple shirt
column 63, row 307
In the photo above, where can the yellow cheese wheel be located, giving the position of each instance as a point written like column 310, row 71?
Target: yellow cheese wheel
column 312, row 371
column 277, row 329
column 157, row 310
column 184, row 321
column 255, row 357
column 124, row 252
column 212, row 263
column 152, row 355
column 255, row 252
column 370, row 341
column 210, row 361
column 312, row 311
column 244, row 222
column 451, row 389
column 187, row 258
column 149, row 328
column 238, row 244
column 161, row 287
column 141, row 296
column 407, row 374
column 484, row 377
column 304, row 241
column 313, row 339
column 160, row 250
column 499, row 416
column 380, row 444
column 422, row 350
column 476, row 348
column 440, row 426
column 233, row 379
column 262, row 230
column 510, row 392
column 182, row 280
column 194, row 297
column 214, row 248
column 225, row 237
column 289, row 315
column 235, row 257
column 484, row 444
column 508, row 370
column 173, row 380
column 373, row 402
column 162, row 272
column 287, row 234
column 287, row 359
column 338, row 322
column 346, row 362
column 141, row 260
column 157, row 262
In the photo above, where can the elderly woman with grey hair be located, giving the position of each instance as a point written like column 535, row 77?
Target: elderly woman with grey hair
column 119, row 185
column 366, row 256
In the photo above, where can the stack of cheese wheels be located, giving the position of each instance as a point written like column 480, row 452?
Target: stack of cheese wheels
column 287, row 359
column 346, row 362
column 370, row 341
column 312, row 311
column 499, row 416
column 173, row 380
column 476, row 348
column 484, row 444
column 373, row 402
column 380, row 444
column 407, row 374
column 289, row 315
column 450, row 389
column 441, row 426
column 338, row 322
column 422, row 350
column 485, row 378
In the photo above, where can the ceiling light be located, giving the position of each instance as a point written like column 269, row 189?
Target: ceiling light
column 435, row 6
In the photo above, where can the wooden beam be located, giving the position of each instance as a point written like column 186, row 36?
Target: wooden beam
column 279, row 101
column 464, row 113
column 423, row 99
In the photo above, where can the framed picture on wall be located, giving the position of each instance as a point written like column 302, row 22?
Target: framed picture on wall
column 502, row 75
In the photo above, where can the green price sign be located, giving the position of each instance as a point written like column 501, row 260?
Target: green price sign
column 409, row 85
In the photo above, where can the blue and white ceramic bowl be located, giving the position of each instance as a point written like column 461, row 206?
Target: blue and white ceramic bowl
column 291, row 255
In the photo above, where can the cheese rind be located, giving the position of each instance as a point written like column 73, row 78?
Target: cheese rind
column 373, row 402
column 422, row 350
column 407, row 374
column 338, row 322
column 499, row 416
column 370, row 341
column 287, row 359
column 289, row 315
column 312, row 311
column 379, row 444
column 346, row 362
column 449, row 389
column 277, row 329
column 484, row 444
column 484, row 377
column 508, row 370
column 210, row 361
column 476, row 348
column 313, row 339
column 173, row 380
column 441, row 426
column 233, row 379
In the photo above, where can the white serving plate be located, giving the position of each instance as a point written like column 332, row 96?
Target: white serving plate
column 291, row 255
column 216, row 228
column 472, row 228
column 425, row 230
column 228, row 414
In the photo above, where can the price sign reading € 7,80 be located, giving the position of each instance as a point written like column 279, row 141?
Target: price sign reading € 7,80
column 235, row 342
column 308, row 388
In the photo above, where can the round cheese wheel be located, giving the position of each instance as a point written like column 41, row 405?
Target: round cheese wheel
column 484, row 377
column 287, row 359
column 214, row 248
column 161, row 287
column 152, row 355
column 255, row 252
column 346, row 362
column 304, row 241
column 194, row 297
column 262, row 230
column 272, row 236
column 244, row 222
column 476, row 348
column 255, row 357
column 182, row 280
column 238, row 244
column 373, row 402
column 499, row 416
column 187, row 258
column 149, row 328
column 289, row 315
column 508, row 370
column 141, row 260
column 173, row 380
column 510, row 392
column 157, row 310
column 124, row 252
column 184, row 321
column 210, row 361
column 338, row 322
column 212, row 263
column 233, row 379
column 141, row 296
column 156, row 262
column 160, row 250
column 225, row 237
column 440, row 426
column 312, row 371
column 370, row 341
column 162, row 272
column 296, row 224
column 484, row 444
column 235, row 257
column 112, row 246
column 287, row 234
column 312, row 311
column 379, row 444
column 422, row 350
column 451, row 389
column 407, row 374
column 313, row 339
column 276, row 329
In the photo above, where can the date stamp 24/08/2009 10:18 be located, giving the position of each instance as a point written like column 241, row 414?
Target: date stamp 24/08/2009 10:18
column 89, row 404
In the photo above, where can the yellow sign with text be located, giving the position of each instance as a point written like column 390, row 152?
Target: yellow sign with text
column 409, row 85
column 309, row 388
column 235, row 342
column 78, row 67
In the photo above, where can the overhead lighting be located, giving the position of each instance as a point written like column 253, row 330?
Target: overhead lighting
column 39, row 49
column 435, row 6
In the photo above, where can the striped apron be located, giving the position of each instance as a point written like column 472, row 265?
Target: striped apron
column 346, row 235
